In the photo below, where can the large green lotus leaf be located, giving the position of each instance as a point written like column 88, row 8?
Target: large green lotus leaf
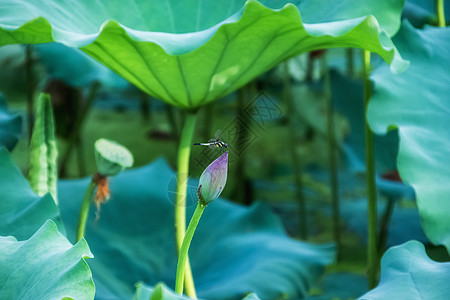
column 22, row 212
column 188, row 53
column 235, row 249
column 10, row 126
column 46, row 266
column 408, row 273
column 417, row 103
column 387, row 12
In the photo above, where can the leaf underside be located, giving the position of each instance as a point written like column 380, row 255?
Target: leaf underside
column 190, row 69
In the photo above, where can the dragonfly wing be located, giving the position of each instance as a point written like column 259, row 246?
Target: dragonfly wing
column 218, row 134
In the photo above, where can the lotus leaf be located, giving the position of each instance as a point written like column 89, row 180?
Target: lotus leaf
column 180, row 54
column 22, row 212
column 46, row 266
column 416, row 102
column 387, row 12
column 408, row 273
column 235, row 249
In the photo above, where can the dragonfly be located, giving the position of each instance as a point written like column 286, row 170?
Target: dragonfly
column 215, row 143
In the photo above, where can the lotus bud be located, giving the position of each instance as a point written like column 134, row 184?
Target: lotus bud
column 213, row 180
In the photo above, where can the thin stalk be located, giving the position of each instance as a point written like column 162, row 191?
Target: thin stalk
column 350, row 56
column 84, row 211
column 208, row 120
column 386, row 219
column 171, row 119
column 439, row 5
column 80, row 158
column 295, row 160
column 183, row 256
column 332, row 151
column 309, row 68
column 75, row 134
column 144, row 100
column 244, row 94
column 184, row 153
column 372, row 256
column 31, row 86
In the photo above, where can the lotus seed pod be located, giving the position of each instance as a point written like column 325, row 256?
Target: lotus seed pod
column 111, row 157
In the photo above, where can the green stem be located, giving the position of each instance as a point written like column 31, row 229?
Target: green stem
column 386, row 219
column 76, row 131
column 208, row 119
column 182, row 258
column 80, row 158
column 439, row 4
column 184, row 152
column 145, row 106
column 309, row 69
column 31, row 86
column 295, row 160
column 371, row 188
column 171, row 119
column 332, row 151
column 350, row 56
column 84, row 210
column 243, row 95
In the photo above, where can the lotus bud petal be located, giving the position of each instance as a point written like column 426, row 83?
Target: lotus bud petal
column 213, row 179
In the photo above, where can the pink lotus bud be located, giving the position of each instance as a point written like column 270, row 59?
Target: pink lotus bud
column 213, row 179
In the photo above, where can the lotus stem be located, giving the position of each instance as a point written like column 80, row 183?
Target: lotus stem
column 332, row 151
column 84, row 211
column 350, row 56
column 372, row 255
column 295, row 160
column 184, row 152
column 208, row 119
column 243, row 95
column 385, row 220
column 183, row 256
column 439, row 4
column 75, row 134
column 171, row 119
column 31, row 86
column 144, row 100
